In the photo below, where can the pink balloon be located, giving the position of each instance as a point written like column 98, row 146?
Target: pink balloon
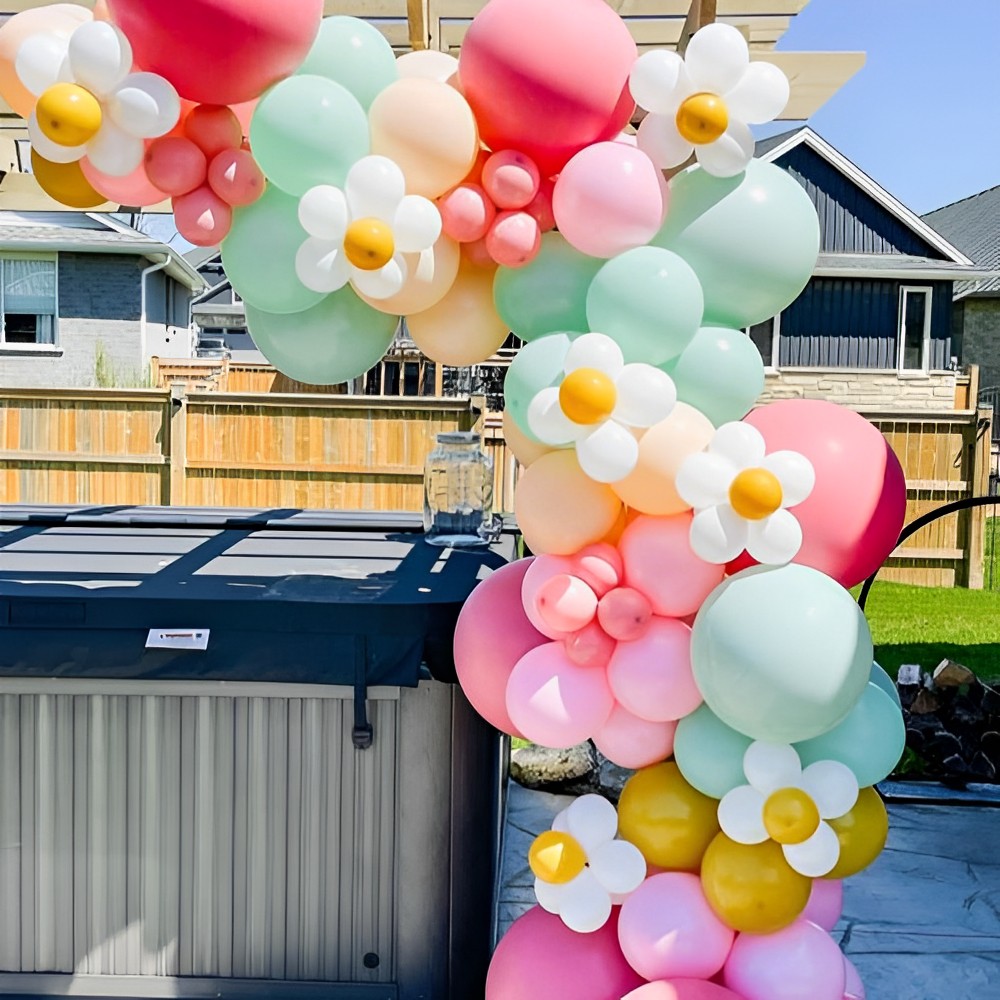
column 202, row 217
column 540, row 957
column 608, row 199
column 590, row 647
column 668, row 930
column 852, row 519
column 219, row 51
column 235, row 177
column 800, row 961
column 854, row 988
column 554, row 702
column 547, row 100
column 826, row 903
column 652, row 676
column 492, row 634
column 624, row 614
column 511, row 179
column 540, row 206
column 600, row 566
column 628, row 741
column 213, row 128
column 514, row 239
column 627, row 139
column 466, row 213
column 659, row 562
column 682, row 989
column 565, row 603
column 478, row 254
column 541, row 570
column 135, row 190
column 176, row 165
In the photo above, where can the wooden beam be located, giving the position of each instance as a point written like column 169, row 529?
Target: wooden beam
column 418, row 18
column 700, row 13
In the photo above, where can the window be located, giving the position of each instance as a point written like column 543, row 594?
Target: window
column 914, row 329
column 766, row 336
column 27, row 301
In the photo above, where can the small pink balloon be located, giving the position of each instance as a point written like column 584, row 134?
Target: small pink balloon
column 628, row 741
column 801, row 960
column 660, row 563
column 135, row 190
column 466, row 213
column 541, row 570
column 236, row 178
column 682, row 989
column 600, row 566
column 854, row 988
column 514, row 239
column 554, row 702
column 565, row 603
column 213, row 128
column 667, row 930
column 624, row 614
column 202, row 217
column 491, row 636
column 590, row 647
column 175, row 165
column 477, row 253
column 511, row 179
column 541, row 206
column 652, row 676
column 826, row 903
column 608, row 199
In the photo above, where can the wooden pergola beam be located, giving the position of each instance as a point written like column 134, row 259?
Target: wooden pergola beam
column 700, row 13
column 417, row 14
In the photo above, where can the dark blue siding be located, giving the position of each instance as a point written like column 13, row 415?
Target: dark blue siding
column 853, row 323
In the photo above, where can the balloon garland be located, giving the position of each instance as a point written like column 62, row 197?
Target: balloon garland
column 685, row 606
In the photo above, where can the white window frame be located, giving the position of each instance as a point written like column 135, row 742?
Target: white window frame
column 54, row 347
column 925, row 349
column 773, row 367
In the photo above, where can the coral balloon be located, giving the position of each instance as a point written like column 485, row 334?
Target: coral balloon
column 175, row 165
column 514, row 239
column 491, row 636
column 543, row 569
column 235, row 177
column 202, row 217
column 682, row 989
column 519, row 444
column 429, row 276
column 511, row 179
column 628, row 741
column 66, row 182
column 237, row 51
column 466, row 213
column 547, row 100
column 862, row 834
column 213, row 128
column 135, row 190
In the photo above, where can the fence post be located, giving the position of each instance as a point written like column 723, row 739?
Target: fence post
column 177, row 458
column 979, row 484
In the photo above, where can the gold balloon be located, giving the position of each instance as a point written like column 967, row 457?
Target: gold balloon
column 587, row 396
column 755, row 494
column 671, row 822
column 69, row 114
column 702, row 118
column 368, row 244
column 862, row 834
column 65, row 182
column 556, row 858
column 790, row 816
column 751, row 887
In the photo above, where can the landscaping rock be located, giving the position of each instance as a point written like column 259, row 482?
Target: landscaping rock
column 948, row 673
column 565, row 772
column 924, row 703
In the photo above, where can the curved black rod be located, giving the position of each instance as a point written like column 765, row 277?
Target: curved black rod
column 923, row 521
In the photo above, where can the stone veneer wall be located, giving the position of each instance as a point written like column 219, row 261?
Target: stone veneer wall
column 864, row 389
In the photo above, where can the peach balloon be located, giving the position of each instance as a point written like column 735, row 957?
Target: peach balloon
column 560, row 509
column 523, row 448
column 428, row 64
column 429, row 276
column 463, row 328
column 429, row 130
column 136, row 190
column 650, row 486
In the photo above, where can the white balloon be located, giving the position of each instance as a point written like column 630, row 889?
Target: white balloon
column 323, row 213
column 741, row 443
column 774, row 540
column 375, row 186
column 716, row 58
column 145, row 105
column 760, row 96
column 549, row 896
column 383, row 283
column 795, row 473
column 321, row 265
column 619, row 867
column 832, row 786
column 561, row 823
column 718, row 535
column 585, row 905
column 416, row 225
column 100, row 56
column 741, row 816
column 595, row 350
column 429, row 64
column 646, row 395
column 659, row 139
column 730, row 153
column 593, row 821
column 659, row 83
column 115, row 152
column 54, row 152
column 772, row 766
column 608, row 454
column 816, row 856
column 547, row 421
column 703, row 479
column 39, row 61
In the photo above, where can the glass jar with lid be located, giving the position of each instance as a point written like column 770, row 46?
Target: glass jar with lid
column 458, row 491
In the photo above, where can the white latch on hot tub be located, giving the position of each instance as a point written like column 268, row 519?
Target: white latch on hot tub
column 178, row 638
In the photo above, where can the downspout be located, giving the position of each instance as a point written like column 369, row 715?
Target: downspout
column 152, row 269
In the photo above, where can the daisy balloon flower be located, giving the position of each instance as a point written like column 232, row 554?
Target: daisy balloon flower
column 705, row 101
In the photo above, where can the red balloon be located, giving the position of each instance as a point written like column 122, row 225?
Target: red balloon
column 202, row 217
column 219, row 51
column 175, row 165
column 547, row 77
column 236, row 178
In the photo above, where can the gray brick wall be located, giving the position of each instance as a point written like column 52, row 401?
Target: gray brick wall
column 980, row 326
column 100, row 286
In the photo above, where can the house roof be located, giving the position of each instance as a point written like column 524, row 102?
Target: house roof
column 894, row 266
column 973, row 224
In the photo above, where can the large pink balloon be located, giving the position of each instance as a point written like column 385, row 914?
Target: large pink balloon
column 492, row 634
column 667, row 930
column 554, row 702
column 219, row 51
column 136, row 190
column 628, row 741
column 826, row 903
column 608, row 199
column 852, row 519
column 682, row 989
column 540, row 958
column 800, row 961
column 547, row 78
column 854, row 988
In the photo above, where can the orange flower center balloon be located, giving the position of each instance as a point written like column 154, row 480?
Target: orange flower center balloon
column 587, row 396
column 368, row 244
column 755, row 494
column 702, row 118
column 556, row 858
column 790, row 816
column 69, row 114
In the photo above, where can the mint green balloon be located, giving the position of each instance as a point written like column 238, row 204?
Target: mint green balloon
column 869, row 741
column 709, row 753
column 649, row 301
column 720, row 373
column 781, row 655
column 354, row 54
column 886, row 683
column 752, row 240
column 334, row 341
column 259, row 254
column 549, row 294
column 537, row 366
column 308, row 130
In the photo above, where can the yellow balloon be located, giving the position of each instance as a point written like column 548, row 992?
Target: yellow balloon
column 671, row 822
column 368, row 244
column 587, row 396
column 702, row 118
column 790, row 816
column 556, row 858
column 649, row 488
column 429, row 276
column 69, row 114
column 862, row 834
column 755, row 494
column 65, row 182
column 751, row 887
column 523, row 448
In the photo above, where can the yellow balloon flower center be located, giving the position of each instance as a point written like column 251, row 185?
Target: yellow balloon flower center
column 69, row 114
column 368, row 244
column 556, row 858
column 702, row 118
column 587, row 396
column 755, row 494
column 790, row 816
